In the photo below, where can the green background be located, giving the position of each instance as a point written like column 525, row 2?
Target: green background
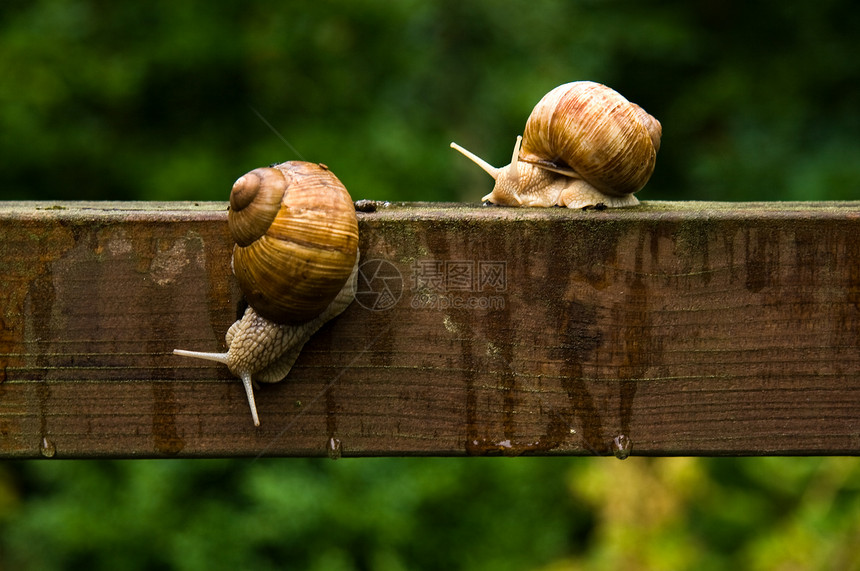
column 169, row 100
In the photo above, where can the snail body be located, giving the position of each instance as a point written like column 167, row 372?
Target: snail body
column 583, row 144
column 296, row 261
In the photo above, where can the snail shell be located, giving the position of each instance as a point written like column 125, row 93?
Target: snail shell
column 296, row 260
column 296, row 239
column 583, row 144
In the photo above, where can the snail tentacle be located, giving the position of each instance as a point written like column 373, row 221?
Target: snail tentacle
column 218, row 357
column 583, row 144
column 295, row 258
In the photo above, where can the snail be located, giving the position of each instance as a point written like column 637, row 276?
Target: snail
column 584, row 144
column 296, row 261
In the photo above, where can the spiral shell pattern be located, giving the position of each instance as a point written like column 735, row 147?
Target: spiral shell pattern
column 296, row 239
column 593, row 130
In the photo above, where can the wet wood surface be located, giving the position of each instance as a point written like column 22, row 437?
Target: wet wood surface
column 665, row 329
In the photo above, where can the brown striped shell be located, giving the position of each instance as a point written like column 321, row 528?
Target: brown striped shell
column 296, row 239
column 591, row 129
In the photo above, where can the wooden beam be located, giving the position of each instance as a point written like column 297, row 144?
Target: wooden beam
column 668, row 328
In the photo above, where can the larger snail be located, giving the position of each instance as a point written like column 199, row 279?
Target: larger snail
column 584, row 144
column 296, row 261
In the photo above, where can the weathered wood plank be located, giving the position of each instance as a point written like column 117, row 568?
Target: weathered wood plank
column 688, row 328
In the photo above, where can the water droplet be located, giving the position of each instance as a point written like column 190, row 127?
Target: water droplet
column 47, row 448
column 622, row 446
column 334, row 448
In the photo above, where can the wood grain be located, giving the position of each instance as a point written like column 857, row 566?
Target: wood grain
column 671, row 328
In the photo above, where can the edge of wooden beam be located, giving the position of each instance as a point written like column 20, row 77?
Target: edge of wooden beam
column 681, row 327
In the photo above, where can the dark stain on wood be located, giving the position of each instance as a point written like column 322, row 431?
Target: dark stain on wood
column 579, row 340
column 165, row 435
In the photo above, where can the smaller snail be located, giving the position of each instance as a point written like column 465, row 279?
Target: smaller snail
column 584, row 144
column 296, row 261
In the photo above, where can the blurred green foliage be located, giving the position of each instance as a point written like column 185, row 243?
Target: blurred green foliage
column 160, row 100
column 173, row 100
column 549, row 514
